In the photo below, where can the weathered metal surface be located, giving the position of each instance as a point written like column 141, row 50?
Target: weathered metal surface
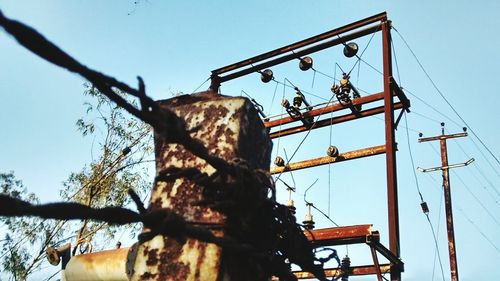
column 324, row 110
column 390, row 143
column 443, row 137
column 104, row 265
column 445, row 167
column 449, row 211
column 395, row 260
column 340, row 235
column 298, row 54
column 332, row 121
column 229, row 127
column 297, row 50
column 302, row 43
column 376, row 263
column 354, row 271
column 355, row 154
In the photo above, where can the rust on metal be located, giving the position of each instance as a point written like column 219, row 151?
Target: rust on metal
column 340, row 235
column 298, row 49
column 445, row 168
column 301, row 53
column 324, row 110
column 331, row 121
column 103, row 265
column 376, row 263
column 353, row 270
column 228, row 127
column 390, row 143
column 302, row 43
column 355, row 154
column 442, row 137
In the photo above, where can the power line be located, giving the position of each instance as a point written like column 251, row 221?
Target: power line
column 366, row 47
column 479, row 230
column 420, row 194
column 477, row 199
column 444, row 98
column 432, row 107
column 468, row 219
column 437, row 233
column 471, row 193
column 479, row 170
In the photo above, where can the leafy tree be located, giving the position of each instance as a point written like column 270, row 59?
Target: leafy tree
column 122, row 145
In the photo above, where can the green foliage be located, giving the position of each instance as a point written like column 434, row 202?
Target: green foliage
column 122, row 146
column 23, row 234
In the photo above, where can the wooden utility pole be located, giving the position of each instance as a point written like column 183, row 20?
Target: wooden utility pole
column 447, row 192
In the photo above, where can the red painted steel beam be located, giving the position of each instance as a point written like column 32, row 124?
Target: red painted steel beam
column 302, row 43
column 388, row 255
column 331, row 121
column 324, row 110
column 295, row 55
column 390, row 142
column 354, row 271
column 340, row 235
column 355, row 154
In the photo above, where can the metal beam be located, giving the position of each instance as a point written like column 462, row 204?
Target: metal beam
column 343, row 235
column 355, row 154
column 296, row 55
column 324, row 110
column 353, row 271
column 331, row 121
column 443, row 137
column 302, row 43
column 388, row 255
column 390, row 142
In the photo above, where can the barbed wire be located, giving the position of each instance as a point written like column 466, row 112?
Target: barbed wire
column 285, row 243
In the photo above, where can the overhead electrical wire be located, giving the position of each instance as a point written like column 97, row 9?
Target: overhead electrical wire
column 470, row 191
column 272, row 100
column 194, row 91
column 476, row 198
column 436, row 253
column 478, row 169
column 422, row 201
column 362, row 52
column 445, row 99
column 478, row 229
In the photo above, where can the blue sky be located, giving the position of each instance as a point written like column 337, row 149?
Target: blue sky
column 173, row 45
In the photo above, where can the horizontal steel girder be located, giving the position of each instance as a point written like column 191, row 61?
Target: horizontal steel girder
column 331, row 121
column 324, row 110
column 354, row 271
column 355, row 154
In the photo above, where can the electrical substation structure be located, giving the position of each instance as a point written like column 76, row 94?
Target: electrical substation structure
column 226, row 143
column 209, row 259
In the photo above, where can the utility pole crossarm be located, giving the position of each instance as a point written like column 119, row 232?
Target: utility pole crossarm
column 446, row 167
column 442, row 137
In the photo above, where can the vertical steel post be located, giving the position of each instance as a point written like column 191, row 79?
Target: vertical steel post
column 448, row 209
column 390, row 144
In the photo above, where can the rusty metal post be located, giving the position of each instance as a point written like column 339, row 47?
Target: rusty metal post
column 229, row 127
column 390, row 143
column 449, row 212
column 447, row 194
